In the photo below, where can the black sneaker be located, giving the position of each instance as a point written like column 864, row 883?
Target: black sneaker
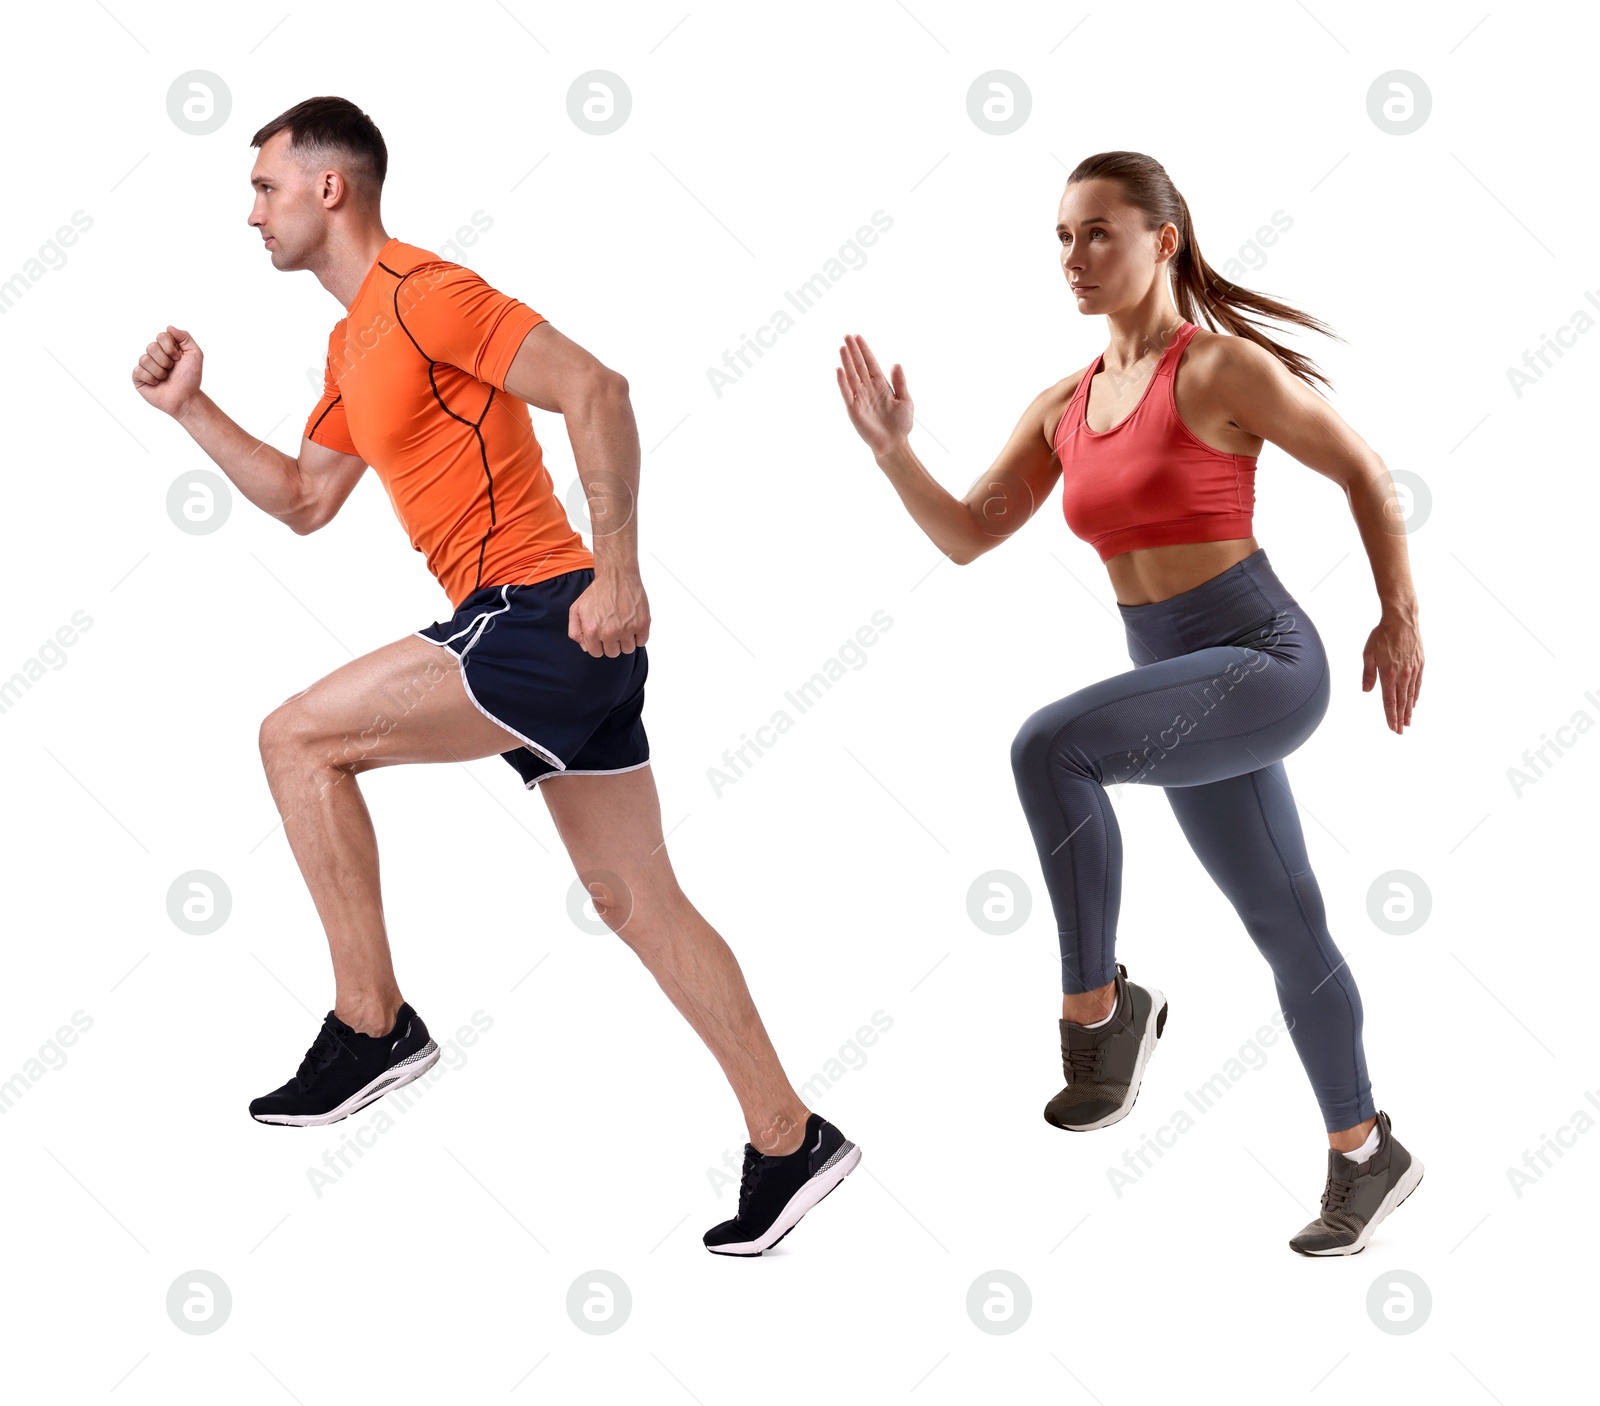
column 345, row 1070
column 1359, row 1195
column 1104, row 1066
column 774, row 1192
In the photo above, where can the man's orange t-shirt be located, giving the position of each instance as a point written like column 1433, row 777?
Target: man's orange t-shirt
column 415, row 385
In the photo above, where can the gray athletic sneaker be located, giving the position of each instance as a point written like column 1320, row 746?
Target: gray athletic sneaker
column 1359, row 1195
column 1104, row 1066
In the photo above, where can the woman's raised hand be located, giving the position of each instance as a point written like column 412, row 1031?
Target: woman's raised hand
column 879, row 407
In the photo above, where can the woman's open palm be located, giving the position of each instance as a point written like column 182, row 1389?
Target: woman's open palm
column 879, row 409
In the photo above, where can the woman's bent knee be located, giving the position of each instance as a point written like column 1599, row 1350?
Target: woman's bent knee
column 1049, row 740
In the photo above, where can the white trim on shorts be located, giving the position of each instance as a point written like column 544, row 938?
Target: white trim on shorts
column 481, row 623
column 602, row 771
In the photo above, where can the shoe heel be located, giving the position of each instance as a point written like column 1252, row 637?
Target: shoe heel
column 1161, row 1020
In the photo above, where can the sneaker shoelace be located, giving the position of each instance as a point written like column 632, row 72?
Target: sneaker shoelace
column 1336, row 1198
column 1083, row 1066
column 748, row 1178
column 324, row 1050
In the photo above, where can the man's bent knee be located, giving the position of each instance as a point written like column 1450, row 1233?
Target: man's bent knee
column 290, row 731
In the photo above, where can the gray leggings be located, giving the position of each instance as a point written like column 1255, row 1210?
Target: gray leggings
column 1231, row 677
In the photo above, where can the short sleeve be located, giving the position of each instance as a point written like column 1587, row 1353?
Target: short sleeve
column 456, row 317
column 326, row 423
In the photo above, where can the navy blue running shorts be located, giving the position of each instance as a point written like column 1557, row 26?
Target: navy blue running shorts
column 576, row 715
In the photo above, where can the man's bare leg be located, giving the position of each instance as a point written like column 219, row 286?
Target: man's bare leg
column 404, row 702
column 611, row 826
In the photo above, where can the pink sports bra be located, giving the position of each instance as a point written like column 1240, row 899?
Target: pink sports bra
column 1148, row 481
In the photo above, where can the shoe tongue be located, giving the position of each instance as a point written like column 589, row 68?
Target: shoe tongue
column 339, row 1027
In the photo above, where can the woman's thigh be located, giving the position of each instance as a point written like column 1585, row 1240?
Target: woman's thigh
column 1184, row 721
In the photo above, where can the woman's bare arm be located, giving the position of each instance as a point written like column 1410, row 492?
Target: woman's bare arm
column 1264, row 398
column 1001, row 500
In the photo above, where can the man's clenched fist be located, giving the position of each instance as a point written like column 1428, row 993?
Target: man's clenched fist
column 169, row 371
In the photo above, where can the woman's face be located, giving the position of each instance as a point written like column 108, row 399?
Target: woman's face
column 1107, row 255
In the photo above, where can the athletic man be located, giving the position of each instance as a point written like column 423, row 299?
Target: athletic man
column 429, row 375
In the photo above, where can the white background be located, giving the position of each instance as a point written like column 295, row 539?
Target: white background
column 580, row 1131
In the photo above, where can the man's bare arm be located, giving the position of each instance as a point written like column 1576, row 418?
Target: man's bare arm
column 303, row 492
column 554, row 373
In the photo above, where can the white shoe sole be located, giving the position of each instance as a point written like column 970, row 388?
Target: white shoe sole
column 1397, row 1193
column 1158, row 1006
column 397, row 1076
column 801, row 1202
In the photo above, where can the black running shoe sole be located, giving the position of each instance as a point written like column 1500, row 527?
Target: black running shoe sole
column 809, row 1195
column 394, row 1077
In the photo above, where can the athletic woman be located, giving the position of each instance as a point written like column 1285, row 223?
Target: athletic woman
column 1155, row 443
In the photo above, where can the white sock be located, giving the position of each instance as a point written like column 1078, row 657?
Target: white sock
column 1097, row 1024
column 1366, row 1149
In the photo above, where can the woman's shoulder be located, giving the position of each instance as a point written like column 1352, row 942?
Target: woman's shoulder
column 1052, row 402
column 1211, row 353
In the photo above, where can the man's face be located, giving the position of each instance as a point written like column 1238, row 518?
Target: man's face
column 289, row 204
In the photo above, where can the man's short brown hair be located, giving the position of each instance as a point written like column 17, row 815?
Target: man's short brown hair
column 329, row 125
